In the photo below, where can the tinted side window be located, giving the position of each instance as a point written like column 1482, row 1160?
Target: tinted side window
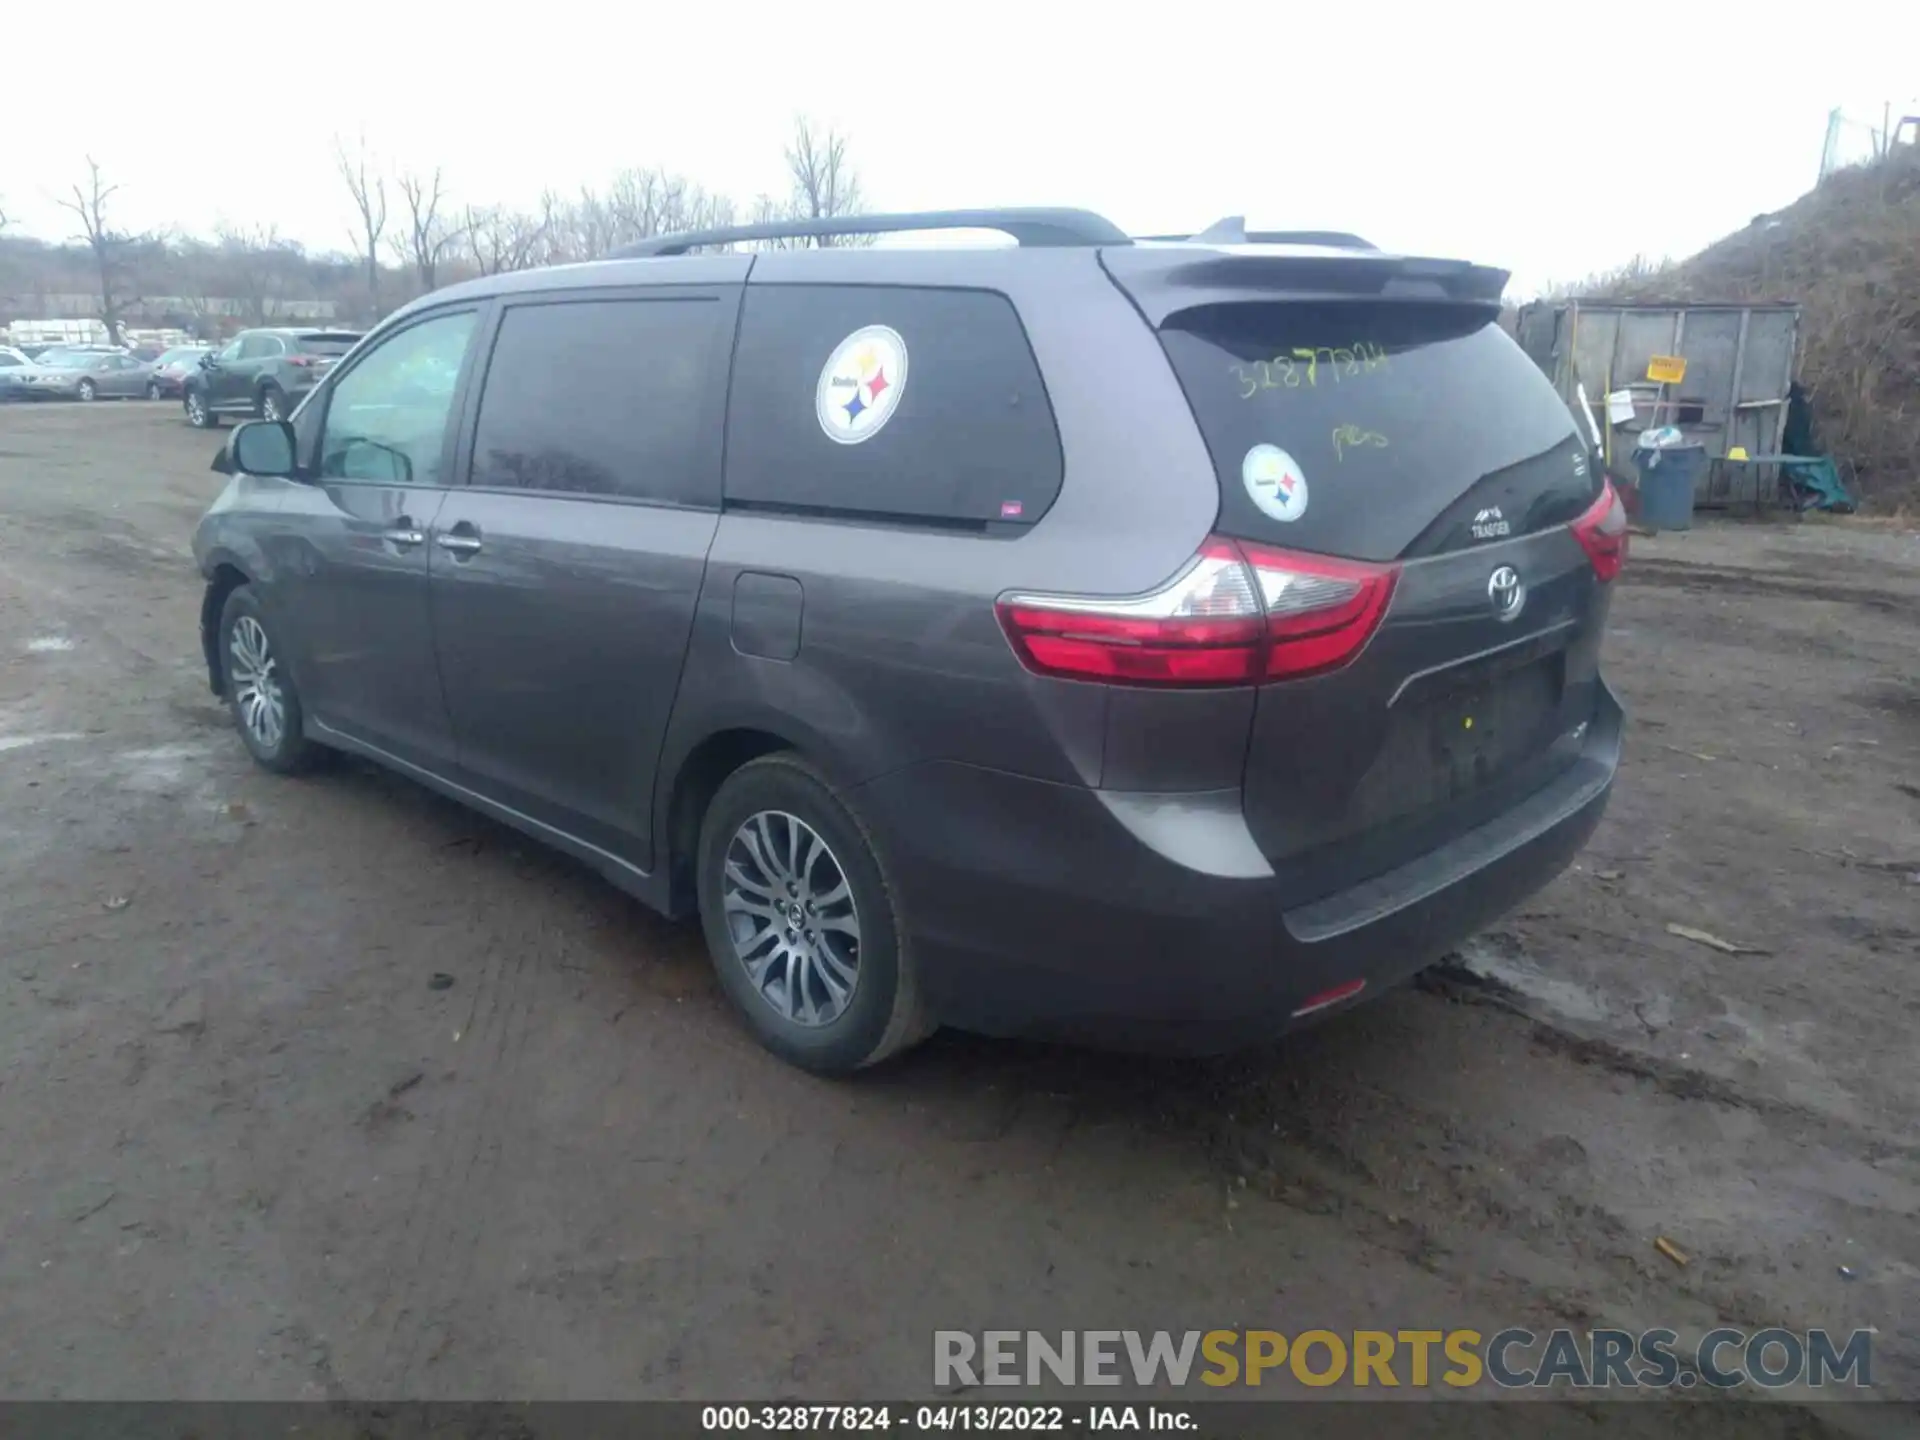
column 386, row 418
column 966, row 433
column 603, row 397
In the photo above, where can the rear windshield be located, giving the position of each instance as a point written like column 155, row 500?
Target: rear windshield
column 329, row 344
column 1376, row 429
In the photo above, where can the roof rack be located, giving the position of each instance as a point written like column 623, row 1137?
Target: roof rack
column 1233, row 231
column 1043, row 227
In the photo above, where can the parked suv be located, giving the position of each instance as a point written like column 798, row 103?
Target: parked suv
column 1150, row 643
column 261, row 372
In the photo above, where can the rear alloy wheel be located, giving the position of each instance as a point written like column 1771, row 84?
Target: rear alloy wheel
column 273, row 404
column 801, row 922
column 260, row 694
column 87, row 390
column 198, row 415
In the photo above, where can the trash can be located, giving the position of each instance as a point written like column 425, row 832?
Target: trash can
column 1668, row 477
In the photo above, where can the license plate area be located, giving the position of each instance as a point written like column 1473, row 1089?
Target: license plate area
column 1459, row 731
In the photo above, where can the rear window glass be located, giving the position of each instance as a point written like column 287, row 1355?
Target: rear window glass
column 891, row 403
column 1376, row 429
column 326, row 344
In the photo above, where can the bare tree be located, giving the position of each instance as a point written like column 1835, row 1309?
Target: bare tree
column 499, row 239
column 825, row 184
column 430, row 235
column 256, row 266
column 111, row 249
column 369, row 191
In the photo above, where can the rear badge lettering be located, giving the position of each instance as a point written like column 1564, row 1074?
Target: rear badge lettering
column 1274, row 482
column 861, row 384
column 1490, row 524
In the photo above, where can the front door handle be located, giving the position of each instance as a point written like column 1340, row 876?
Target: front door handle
column 403, row 536
column 457, row 543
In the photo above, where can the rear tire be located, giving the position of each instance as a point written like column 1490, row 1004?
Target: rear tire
column 260, row 693
column 784, row 966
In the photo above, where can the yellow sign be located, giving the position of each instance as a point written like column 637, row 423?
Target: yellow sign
column 1667, row 369
column 1738, row 452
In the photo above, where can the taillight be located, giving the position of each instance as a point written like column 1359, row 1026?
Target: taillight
column 303, row 361
column 1237, row 614
column 1602, row 532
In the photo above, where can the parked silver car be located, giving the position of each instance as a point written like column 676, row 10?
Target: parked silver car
column 84, row 375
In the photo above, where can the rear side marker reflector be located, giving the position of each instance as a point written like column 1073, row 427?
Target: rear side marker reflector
column 1236, row 614
column 1331, row 997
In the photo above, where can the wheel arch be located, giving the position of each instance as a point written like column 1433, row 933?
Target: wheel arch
column 224, row 576
column 696, row 780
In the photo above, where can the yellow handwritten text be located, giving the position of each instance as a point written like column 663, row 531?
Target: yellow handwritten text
column 1352, row 437
column 1302, row 366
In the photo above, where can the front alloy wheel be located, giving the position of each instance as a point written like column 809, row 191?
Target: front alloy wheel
column 87, row 391
column 198, row 415
column 260, row 693
column 255, row 676
column 791, row 916
column 273, row 405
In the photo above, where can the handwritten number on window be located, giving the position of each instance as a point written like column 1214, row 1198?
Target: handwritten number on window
column 1302, row 366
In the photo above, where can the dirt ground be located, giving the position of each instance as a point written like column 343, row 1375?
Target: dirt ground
column 248, row 1148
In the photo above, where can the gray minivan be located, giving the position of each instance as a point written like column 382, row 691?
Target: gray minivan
column 1145, row 643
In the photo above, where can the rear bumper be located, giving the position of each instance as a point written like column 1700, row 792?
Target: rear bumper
column 1050, row 911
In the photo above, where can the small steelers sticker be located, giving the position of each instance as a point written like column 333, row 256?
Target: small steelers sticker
column 1274, row 482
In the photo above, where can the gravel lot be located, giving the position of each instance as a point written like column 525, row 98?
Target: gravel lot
column 248, row 1150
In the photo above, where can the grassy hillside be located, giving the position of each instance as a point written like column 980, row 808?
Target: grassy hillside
column 1849, row 252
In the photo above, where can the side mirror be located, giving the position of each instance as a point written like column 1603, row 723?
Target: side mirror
column 206, row 361
column 262, row 447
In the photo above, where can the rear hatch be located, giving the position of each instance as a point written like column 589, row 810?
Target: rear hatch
column 1368, row 419
column 318, row 350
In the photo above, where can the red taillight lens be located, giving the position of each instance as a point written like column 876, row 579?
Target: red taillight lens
column 1236, row 615
column 1602, row 532
column 303, row 361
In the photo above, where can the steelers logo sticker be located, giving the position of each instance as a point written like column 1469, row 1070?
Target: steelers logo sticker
column 1274, row 482
column 861, row 384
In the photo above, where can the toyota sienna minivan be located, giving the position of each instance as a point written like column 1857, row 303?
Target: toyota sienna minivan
column 1152, row 644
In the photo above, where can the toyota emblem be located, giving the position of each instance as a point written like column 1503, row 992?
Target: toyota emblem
column 1506, row 592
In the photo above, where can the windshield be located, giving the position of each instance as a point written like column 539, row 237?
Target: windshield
column 185, row 356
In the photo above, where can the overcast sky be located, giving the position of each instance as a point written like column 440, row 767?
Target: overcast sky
column 1554, row 139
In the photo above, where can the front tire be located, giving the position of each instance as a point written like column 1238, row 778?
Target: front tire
column 153, row 390
column 801, row 923
column 87, row 391
column 199, row 414
column 273, row 403
column 260, row 693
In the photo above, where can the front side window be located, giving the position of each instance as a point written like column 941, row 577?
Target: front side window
column 386, row 419
column 231, row 351
column 602, row 397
